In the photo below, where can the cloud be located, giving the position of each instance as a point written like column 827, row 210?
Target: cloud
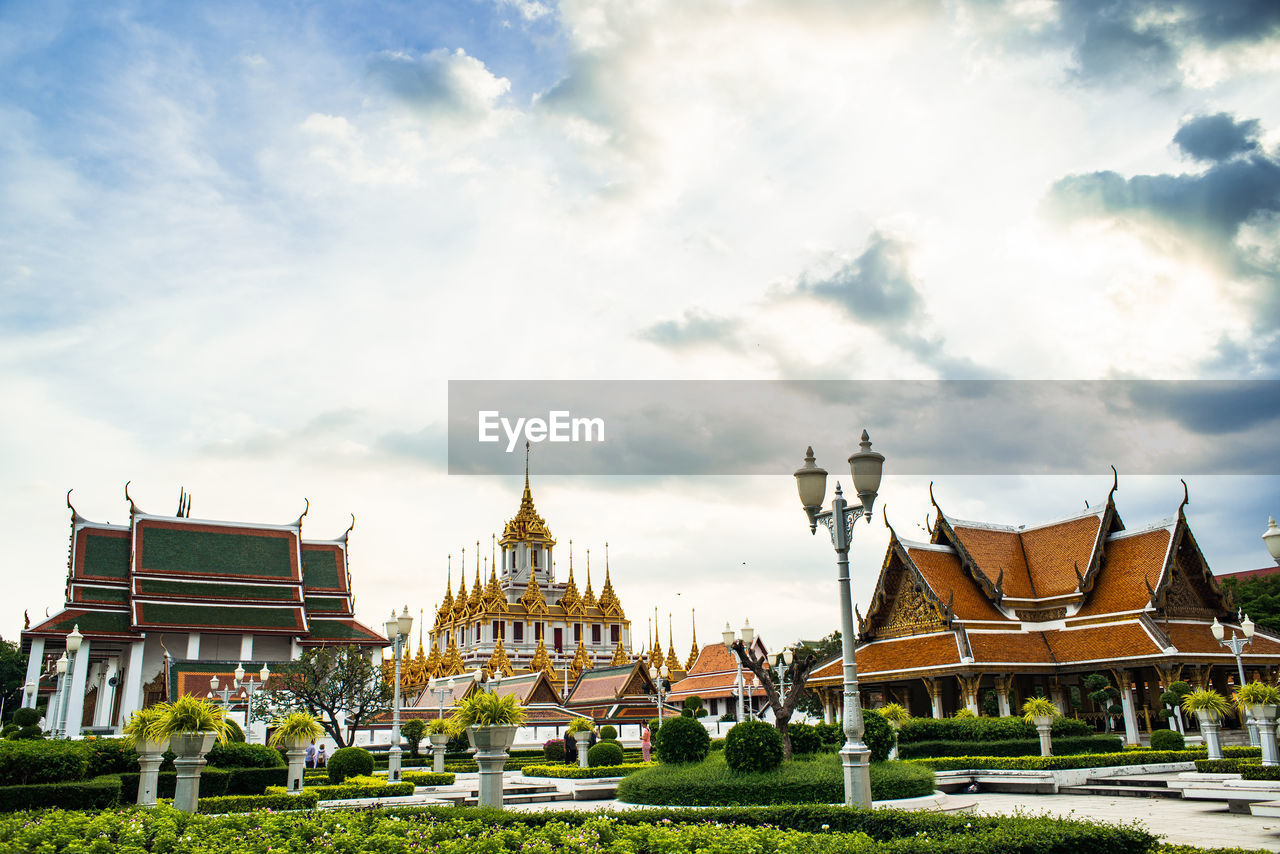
column 440, row 82
column 876, row 287
column 695, row 328
column 1216, row 137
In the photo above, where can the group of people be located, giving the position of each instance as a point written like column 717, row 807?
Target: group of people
column 315, row 758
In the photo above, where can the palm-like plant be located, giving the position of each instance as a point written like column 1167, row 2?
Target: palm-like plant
column 1038, row 707
column 1208, row 701
column 488, row 708
column 442, row 726
column 295, row 728
column 1257, row 694
column 578, row 725
column 188, row 715
column 895, row 714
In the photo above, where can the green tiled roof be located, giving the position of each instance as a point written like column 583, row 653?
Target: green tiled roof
column 336, row 630
column 215, row 553
column 112, row 595
column 106, row 556
column 165, row 587
column 320, row 568
column 115, row 622
column 326, row 605
column 209, row 616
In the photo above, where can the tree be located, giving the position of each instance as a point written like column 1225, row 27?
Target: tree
column 13, row 672
column 1257, row 597
column 413, row 730
column 693, row 707
column 826, row 649
column 338, row 685
column 798, row 671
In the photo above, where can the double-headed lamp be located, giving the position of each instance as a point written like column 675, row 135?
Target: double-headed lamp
column 1247, row 626
column 811, row 482
column 1218, row 631
column 1272, row 538
column 748, row 633
column 392, row 626
column 404, row 622
column 61, row 665
column 728, row 636
column 265, row 673
column 74, row 639
column 867, row 466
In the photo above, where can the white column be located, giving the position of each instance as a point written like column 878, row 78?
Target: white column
column 75, row 697
column 295, row 649
column 35, row 662
column 246, row 647
column 1130, row 719
column 131, row 701
column 1002, row 698
column 935, row 704
column 828, row 712
column 193, row 646
column 106, row 693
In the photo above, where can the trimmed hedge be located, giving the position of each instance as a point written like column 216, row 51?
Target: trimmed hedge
column 1017, row 747
column 753, row 746
column 110, row 756
column 604, row 753
column 254, row 781
column 1225, row 766
column 95, row 794
column 877, row 735
column 1006, row 728
column 804, row 739
column 683, row 740
column 573, row 772
column 213, row 784
column 351, row 793
column 713, row 783
column 349, row 762
column 1086, row 760
column 305, row 800
column 235, row 754
column 427, row 778
column 1168, row 739
column 1260, row 772
column 455, row 830
column 27, row 762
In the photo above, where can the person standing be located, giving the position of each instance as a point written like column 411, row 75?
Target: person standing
column 646, row 742
column 570, row 749
column 311, row 755
column 320, row 757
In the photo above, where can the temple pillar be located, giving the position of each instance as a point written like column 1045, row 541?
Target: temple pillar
column 1056, row 695
column 35, row 663
column 131, row 700
column 934, row 687
column 828, row 709
column 969, row 691
column 246, row 647
column 1124, row 684
column 1004, row 688
column 106, row 693
column 79, row 675
column 193, row 646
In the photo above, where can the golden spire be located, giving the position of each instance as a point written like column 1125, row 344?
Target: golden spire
column 589, row 598
column 655, row 654
column 451, row 665
column 693, row 650
column 422, row 630
column 498, row 662
column 581, row 661
column 460, row 603
column 527, row 526
column 493, row 553
column 533, row 599
column 495, row 599
column 619, row 655
column 433, row 660
column 673, row 663
column 446, row 607
column 541, row 661
column 609, row 602
column 474, row 603
column 570, row 599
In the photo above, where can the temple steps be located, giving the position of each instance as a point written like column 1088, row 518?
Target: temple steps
column 1133, row 786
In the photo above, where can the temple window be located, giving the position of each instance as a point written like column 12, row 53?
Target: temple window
column 577, row 632
column 534, row 553
column 517, row 631
column 478, row 638
column 558, row 634
column 595, row 633
column 614, row 635
column 497, row 629
column 537, row 631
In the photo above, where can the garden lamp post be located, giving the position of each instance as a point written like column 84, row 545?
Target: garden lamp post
column 66, row 666
column 748, row 635
column 250, row 688
column 59, row 667
column 785, row 658
column 441, row 689
column 398, row 632
column 1271, row 537
column 866, row 466
column 1236, row 644
column 659, row 676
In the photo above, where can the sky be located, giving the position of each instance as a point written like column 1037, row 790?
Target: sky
column 245, row 247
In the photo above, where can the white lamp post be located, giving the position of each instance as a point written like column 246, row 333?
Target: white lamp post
column 1272, row 538
column 60, row 667
column 66, row 666
column 398, row 629
column 866, row 466
column 659, row 676
column 784, row 663
column 748, row 636
column 1236, row 644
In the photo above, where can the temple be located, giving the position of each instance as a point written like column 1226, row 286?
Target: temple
column 1008, row 612
column 165, row 603
column 517, row 618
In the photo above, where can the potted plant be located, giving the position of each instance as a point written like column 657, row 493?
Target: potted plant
column 896, row 716
column 438, row 733
column 1041, row 712
column 1260, row 701
column 581, row 729
column 1210, row 707
column 490, row 720
column 150, row 751
column 294, row 732
column 191, row 726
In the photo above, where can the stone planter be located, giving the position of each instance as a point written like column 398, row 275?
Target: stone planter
column 1044, row 728
column 438, row 741
column 1265, row 719
column 1209, row 729
column 583, row 739
column 491, row 744
column 190, row 749
column 150, row 756
column 296, row 751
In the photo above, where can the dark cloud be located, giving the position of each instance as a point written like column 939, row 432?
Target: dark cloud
column 1217, row 137
column 1212, row 407
column 427, row 446
column 438, row 82
column 876, row 287
column 696, row 328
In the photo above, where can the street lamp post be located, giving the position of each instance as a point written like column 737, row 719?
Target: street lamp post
column 785, row 658
column 59, row 692
column 398, row 629
column 1236, row 644
column 66, row 666
column 659, row 676
column 441, row 689
column 249, row 688
column 866, row 466
column 748, row 636
column 1272, row 538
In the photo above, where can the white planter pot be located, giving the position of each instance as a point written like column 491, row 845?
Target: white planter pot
column 1263, row 713
column 147, row 746
column 191, row 744
column 438, row 739
column 490, row 739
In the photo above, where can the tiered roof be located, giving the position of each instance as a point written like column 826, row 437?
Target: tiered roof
column 715, row 674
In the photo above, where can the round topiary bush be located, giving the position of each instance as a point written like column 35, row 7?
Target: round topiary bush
column 1167, row 739
column 349, row 762
column 553, row 750
column 878, row 735
column 753, row 746
column 683, row 740
column 604, row 753
column 25, row 717
column 608, row 733
column 804, row 739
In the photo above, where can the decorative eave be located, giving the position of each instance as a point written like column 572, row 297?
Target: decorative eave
column 880, row 600
column 1182, row 532
column 942, row 531
column 1109, row 524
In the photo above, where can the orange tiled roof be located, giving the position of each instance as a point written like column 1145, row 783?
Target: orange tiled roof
column 1127, row 561
column 993, row 550
column 1111, row 641
column 712, row 685
column 1010, row 648
column 600, row 685
column 907, row 653
column 945, row 574
column 1037, row 562
column 1198, row 638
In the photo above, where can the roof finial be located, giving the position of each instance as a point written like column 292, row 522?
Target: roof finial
column 933, row 500
column 133, row 508
column 1186, row 496
column 526, row 464
column 350, row 527
column 884, row 510
column 1115, row 483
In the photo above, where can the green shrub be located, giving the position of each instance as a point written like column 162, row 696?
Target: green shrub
column 553, row 750
column 427, row 778
column 95, row 794
column 9, row 730
column 28, row 762
column 878, row 736
column 213, row 784
column 110, row 756
column 234, row 754
column 604, row 753
column 25, row 717
column 820, row 780
column 305, row 800
column 804, row 739
column 29, row 733
column 1167, row 739
column 413, row 731
column 829, row 733
column 1260, row 772
column 349, row 792
column 1225, row 766
column 1013, row 747
column 573, row 772
column 234, row 732
column 753, row 746
column 254, row 781
column 717, row 744
column 349, row 762
column 608, row 732
column 683, row 740
column 1086, row 760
